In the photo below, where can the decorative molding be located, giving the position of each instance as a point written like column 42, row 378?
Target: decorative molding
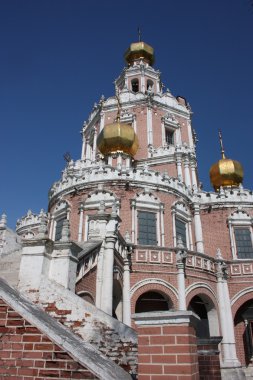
column 151, row 281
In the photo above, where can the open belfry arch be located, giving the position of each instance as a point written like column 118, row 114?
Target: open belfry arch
column 132, row 255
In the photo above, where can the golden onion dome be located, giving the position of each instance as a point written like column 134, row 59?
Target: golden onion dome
column 118, row 137
column 226, row 172
column 140, row 50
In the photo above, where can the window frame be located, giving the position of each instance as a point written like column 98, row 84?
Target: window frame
column 239, row 219
column 181, row 212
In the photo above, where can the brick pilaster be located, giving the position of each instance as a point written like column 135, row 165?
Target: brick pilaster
column 167, row 346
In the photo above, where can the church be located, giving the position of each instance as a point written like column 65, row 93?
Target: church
column 135, row 271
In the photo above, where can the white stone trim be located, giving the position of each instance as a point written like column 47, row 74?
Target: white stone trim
column 197, row 285
column 153, row 281
column 240, row 294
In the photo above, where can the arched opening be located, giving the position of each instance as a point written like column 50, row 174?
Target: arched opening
column 208, row 325
column 87, row 297
column 135, row 85
column 198, row 306
column 244, row 332
column 150, row 85
column 117, row 307
column 151, row 301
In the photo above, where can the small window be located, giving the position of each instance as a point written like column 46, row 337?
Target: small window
column 181, row 231
column 58, row 229
column 243, row 243
column 147, row 228
column 135, row 85
column 169, row 137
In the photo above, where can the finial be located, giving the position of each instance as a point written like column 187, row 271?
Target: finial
column 221, row 146
column 139, row 33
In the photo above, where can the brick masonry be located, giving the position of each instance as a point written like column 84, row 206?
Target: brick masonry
column 167, row 351
column 27, row 353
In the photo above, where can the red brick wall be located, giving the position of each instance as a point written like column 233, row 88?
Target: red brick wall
column 167, row 352
column 88, row 283
column 209, row 362
column 26, row 353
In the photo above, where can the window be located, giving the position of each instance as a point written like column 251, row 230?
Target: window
column 181, row 231
column 135, row 85
column 240, row 231
column 243, row 243
column 147, row 228
column 58, row 229
column 181, row 218
column 169, row 137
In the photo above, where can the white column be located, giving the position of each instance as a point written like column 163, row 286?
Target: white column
column 107, row 287
column 162, row 225
column 134, row 124
column 189, row 129
column 80, row 228
column 230, row 359
column 133, row 207
column 193, row 172
column 126, row 294
column 190, row 236
column 94, row 150
column 179, row 166
column 83, row 148
column 187, row 172
column 198, row 230
column 178, row 139
column 51, row 230
column 102, row 121
column 174, row 228
column 143, row 89
column 149, row 126
column 231, row 235
column 181, row 255
column 99, row 279
column 163, row 133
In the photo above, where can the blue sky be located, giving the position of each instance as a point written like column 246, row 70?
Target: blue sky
column 57, row 57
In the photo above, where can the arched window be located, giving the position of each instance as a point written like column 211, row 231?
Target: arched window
column 135, row 85
column 150, row 85
column 151, row 301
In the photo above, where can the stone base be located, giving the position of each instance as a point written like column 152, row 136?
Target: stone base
column 232, row 374
column 248, row 372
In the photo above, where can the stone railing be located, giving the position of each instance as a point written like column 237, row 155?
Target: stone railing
column 75, row 179
column 167, row 256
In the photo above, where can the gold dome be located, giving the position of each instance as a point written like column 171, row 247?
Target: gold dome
column 140, row 50
column 226, row 172
column 118, row 137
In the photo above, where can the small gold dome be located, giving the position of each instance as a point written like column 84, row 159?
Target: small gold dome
column 118, row 137
column 140, row 50
column 226, row 172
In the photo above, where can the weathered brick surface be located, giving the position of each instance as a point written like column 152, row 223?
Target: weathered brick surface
column 26, row 353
